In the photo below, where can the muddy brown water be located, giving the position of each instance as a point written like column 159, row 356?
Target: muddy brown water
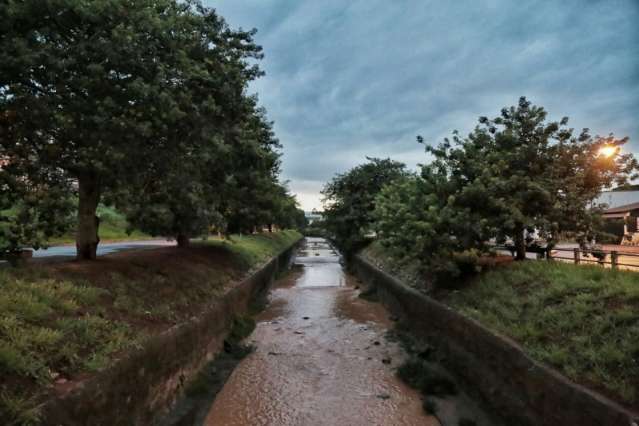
column 321, row 357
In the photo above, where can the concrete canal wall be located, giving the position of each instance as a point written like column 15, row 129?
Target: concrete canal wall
column 144, row 384
column 524, row 392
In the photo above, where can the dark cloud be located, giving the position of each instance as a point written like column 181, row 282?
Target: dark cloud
column 352, row 79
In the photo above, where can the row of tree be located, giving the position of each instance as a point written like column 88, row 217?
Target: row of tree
column 138, row 104
column 514, row 175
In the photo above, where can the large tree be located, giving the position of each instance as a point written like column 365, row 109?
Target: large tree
column 250, row 193
column 349, row 200
column 31, row 213
column 520, row 172
column 105, row 90
column 181, row 195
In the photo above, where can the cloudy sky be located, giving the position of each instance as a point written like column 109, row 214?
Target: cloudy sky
column 346, row 79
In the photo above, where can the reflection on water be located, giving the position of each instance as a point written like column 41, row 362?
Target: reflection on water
column 319, row 356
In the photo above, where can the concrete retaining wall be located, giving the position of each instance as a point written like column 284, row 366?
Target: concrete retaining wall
column 523, row 391
column 148, row 381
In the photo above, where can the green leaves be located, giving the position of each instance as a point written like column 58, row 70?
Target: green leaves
column 349, row 200
column 144, row 102
column 515, row 173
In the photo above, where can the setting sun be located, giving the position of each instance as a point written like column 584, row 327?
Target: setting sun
column 607, row 151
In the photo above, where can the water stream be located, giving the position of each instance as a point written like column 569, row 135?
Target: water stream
column 321, row 357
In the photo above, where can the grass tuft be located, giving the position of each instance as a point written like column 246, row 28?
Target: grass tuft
column 583, row 320
column 425, row 377
column 61, row 320
column 253, row 250
column 430, row 406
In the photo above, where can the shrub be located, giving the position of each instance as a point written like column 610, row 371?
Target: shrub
column 425, row 377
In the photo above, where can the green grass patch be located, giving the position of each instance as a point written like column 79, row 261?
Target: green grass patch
column 47, row 330
column 66, row 320
column 582, row 320
column 405, row 270
column 426, row 377
column 113, row 227
column 254, row 249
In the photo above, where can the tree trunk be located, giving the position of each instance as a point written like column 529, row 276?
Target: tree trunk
column 182, row 241
column 87, row 239
column 270, row 227
column 520, row 244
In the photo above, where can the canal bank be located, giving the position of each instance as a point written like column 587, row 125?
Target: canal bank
column 320, row 358
column 498, row 370
column 324, row 355
column 145, row 382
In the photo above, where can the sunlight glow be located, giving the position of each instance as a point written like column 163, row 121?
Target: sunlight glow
column 607, row 151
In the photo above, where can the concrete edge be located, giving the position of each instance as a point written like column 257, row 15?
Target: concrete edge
column 537, row 395
column 148, row 380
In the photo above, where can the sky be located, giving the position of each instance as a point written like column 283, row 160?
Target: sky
column 347, row 79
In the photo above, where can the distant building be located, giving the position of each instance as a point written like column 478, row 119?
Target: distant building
column 622, row 212
column 313, row 216
column 615, row 199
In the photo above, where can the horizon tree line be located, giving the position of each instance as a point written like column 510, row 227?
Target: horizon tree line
column 515, row 174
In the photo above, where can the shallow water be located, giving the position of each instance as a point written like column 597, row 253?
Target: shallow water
column 321, row 357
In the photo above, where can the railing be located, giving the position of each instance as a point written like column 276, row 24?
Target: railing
column 615, row 259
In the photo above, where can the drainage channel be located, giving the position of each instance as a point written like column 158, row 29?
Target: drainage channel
column 321, row 357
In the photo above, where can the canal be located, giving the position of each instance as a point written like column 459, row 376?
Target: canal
column 321, row 357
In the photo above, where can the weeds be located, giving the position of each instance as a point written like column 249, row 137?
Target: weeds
column 242, row 328
column 426, row 377
column 19, row 411
column 583, row 320
column 253, row 250
column 54, row 325
column 430, row 406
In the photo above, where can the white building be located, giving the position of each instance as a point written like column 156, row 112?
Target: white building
column 616, row 199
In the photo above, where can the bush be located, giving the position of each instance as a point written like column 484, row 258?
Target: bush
column 428, row 379
column 416, row 222
column 351, row 198
column 608, row 238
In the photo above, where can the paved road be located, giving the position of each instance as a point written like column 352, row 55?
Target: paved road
column 105, row 248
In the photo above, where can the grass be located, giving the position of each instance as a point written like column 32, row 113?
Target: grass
column 64, row 321
column 426, row 377
column 582, row 320
column 255, row 249
column 406, row 271
column 113, row 227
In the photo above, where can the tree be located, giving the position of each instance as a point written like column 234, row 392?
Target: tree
column 416, row 221
column 31, row 214
column 104, row 91
column 519, row 172
column 249, row 196
column 182, row 195
column 286, row 213
column 349, row 200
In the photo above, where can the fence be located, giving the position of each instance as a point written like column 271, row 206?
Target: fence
column 615, row 259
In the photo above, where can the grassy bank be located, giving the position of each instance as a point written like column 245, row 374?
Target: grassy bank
column 582, row 320
column 406, row 271
column 62, row 322
column 113, row 227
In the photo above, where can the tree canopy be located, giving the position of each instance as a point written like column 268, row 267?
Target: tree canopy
column 143, row 104
column 349, row 200
column 513, row 174
column 520, row 172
